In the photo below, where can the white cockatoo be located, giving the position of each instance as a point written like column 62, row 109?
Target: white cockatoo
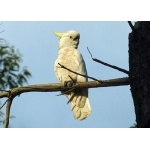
column 70, row 57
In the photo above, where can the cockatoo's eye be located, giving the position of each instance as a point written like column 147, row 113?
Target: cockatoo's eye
column 70, row 37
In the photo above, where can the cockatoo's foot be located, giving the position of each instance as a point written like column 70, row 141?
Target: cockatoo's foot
column 68, row 83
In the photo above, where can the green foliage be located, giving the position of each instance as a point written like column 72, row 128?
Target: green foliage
column 10, row 74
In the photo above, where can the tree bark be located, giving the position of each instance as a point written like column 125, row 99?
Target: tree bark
column 139, row 72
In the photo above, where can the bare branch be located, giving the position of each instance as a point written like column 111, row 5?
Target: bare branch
column 106, row 64
column 53, row 87
column 79, row 73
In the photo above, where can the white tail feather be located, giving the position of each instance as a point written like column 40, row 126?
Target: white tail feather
column 81, row 113
column 80, row 106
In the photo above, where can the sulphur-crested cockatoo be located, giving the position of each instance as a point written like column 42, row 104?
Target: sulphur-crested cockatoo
column 70, row 57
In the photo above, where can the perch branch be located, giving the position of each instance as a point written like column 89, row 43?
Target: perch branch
column 106, row 64
column 79, row 73
column 54, row 87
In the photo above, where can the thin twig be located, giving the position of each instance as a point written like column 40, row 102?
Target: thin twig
column 79, row 73
column 106, row 64
column 3, row 104
column 72, row 79
column 131, row 26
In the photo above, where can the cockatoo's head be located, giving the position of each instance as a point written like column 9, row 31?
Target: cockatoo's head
column 68, row 39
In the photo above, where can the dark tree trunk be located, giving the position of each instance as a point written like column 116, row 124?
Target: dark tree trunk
column 139, row 72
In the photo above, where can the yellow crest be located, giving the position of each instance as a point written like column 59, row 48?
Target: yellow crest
column 58, row 34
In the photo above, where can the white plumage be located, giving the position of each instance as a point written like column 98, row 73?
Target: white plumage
column 70, row 57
